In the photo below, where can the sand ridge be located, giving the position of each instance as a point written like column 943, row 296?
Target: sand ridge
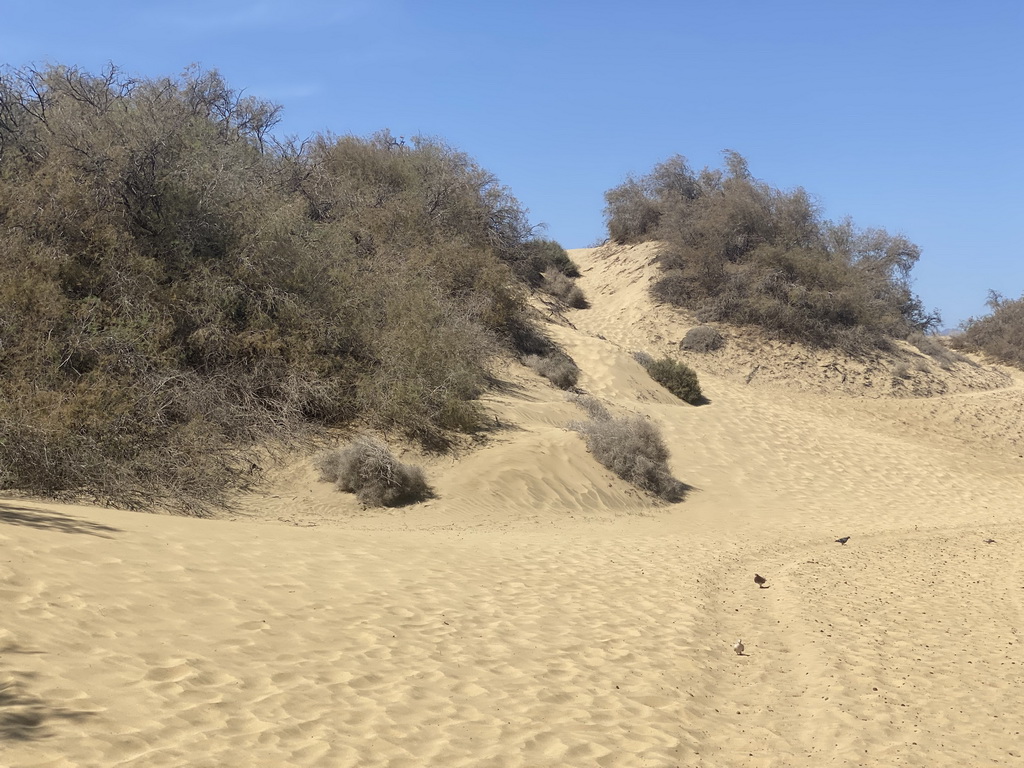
column 538, row 612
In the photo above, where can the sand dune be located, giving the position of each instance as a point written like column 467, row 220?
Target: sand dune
column 539, row 612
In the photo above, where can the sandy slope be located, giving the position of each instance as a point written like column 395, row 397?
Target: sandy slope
column 540, row 613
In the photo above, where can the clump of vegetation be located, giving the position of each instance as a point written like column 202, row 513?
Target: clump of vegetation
column 594, row 408
column 565, row 289
column 740, row 251
column 545, row 265
column 675, row 376
column 177, row 288
column 555, row 366
column 632, row 448
column 1000, row 334
column 367, row 468
column 935, row 349
column 702, row 338
column 538, row 257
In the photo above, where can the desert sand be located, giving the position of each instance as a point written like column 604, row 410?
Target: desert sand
column 540, row 612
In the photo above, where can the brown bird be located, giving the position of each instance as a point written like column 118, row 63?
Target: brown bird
column 760, row 580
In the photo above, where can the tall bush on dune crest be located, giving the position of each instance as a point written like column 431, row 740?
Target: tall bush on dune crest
column 740, row 251
column 999, row 334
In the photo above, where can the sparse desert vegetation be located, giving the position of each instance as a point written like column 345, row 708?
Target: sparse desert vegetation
column 368, row 468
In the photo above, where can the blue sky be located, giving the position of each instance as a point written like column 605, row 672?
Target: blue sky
column 906, row 115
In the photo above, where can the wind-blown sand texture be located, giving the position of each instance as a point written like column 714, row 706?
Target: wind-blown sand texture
column 538, row 611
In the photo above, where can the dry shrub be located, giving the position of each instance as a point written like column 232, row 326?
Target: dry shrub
column 178, row 290
column 934, row 348
column 367, row 468
column 1000, row 334
column 564, row 288
column 632, row 448
column 645, row 359
column 556, row 367
column 678, row 378
column 737, row 250
column 536, row 258
column 593, row 407
column 702, row 338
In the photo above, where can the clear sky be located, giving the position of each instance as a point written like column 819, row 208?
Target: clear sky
column 903, row 114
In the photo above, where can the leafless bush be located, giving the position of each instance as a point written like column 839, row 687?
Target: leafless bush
column 633, row 449
column 367, row 468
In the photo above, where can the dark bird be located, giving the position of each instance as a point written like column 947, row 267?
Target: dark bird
column 843, row 540
column 760, row 580
column 990, row 541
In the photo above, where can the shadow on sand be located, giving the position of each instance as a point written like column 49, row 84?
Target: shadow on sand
column 24, row 717
column 51, row 520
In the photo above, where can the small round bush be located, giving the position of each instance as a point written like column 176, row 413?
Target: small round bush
column 564, row 288
column 576, row 298
column 367, row 468
column 702, row 338
column 678, row 378
column 556, row 367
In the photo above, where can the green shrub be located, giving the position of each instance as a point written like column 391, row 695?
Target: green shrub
column 367, row 468
column 702, row 338
column 633, row 449
column 678, row 378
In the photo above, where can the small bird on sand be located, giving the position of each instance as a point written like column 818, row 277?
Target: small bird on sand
column 990, row 541
column 760, row 580
column 738, row 647
column 843, row 540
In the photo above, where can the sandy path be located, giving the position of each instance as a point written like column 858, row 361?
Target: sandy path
column 540, row 613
